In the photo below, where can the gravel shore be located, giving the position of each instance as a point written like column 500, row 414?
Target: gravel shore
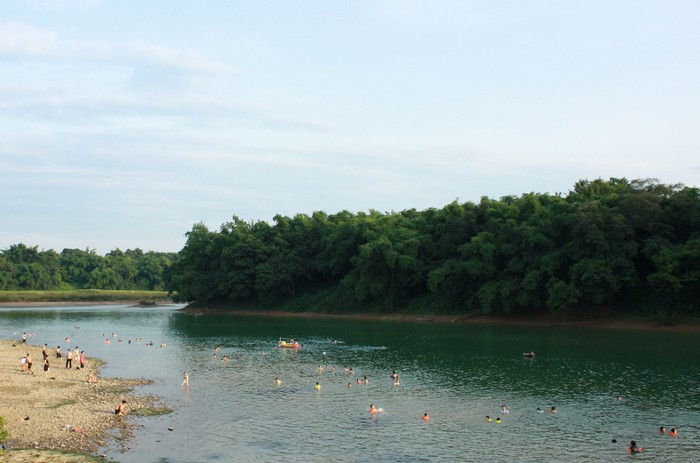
column 61, row 411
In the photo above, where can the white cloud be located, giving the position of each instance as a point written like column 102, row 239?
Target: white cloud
column 18, row 39
column 61, row 6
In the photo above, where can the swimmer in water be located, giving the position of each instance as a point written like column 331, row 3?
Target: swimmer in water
column 662, row 430
column 553, row 410
column 349, row 385
column 373, row 409
column 673, row 432
column 498, row 420
column 278, row 382
column 425, row 417
column 224, row 359
column 504, row 410
column 633, row 448
column 487, row 419
column 539, row 410
column 317, row 387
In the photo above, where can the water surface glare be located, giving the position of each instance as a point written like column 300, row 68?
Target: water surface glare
column 457, row 373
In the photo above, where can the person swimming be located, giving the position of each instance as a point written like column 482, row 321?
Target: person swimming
column 504, row 410
column 317, row 387
column 373, row 409
column 633, row 448
column 278, row 381
column 662, row 430
column 553, row 410
column 498, row 420
column 673, row 432
column 487, row 419
column 425, row 417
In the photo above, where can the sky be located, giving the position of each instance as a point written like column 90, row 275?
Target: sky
column 124, row 123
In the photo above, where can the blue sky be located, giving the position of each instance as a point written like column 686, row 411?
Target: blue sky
column 123, row 123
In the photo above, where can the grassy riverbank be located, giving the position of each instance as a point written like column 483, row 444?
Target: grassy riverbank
column 83, row 296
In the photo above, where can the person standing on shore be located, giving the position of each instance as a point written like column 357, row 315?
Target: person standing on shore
column 29, row 363
column 59, row 355
column 76, row 354
column 45, row 351
column 82, row 359
column 46, row 367
column 69, row 358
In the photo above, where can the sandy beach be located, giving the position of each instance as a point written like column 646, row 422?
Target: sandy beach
column 60, row 411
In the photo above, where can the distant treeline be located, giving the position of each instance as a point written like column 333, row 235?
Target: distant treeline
column 26, row 268
column 624, row 244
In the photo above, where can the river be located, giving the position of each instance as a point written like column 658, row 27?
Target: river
column 458, row 374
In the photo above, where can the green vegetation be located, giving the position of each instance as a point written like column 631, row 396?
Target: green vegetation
column 3, row 434
column 24, row 268
column 151, row 411
column 631, row 245
column 85, row 295
column 61, row 403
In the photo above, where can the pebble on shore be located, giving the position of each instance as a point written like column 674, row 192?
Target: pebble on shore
column 65, row 412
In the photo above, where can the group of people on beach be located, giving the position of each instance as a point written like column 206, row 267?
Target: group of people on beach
column 70, row 355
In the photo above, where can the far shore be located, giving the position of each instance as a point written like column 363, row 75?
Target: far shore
column 562, row 320
column 614, row 322
column 76, row 303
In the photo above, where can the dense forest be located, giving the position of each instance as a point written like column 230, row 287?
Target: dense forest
column 26, row 268
column 620, row 244
column 616, row 244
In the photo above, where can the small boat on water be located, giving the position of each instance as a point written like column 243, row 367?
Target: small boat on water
column 289, row 345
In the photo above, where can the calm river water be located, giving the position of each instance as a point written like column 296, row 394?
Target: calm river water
column 457, row 373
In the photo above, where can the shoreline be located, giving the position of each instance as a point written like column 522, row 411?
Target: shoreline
column 609, row 322
column 65, row 413
column 29, row 304
column 557, row 320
